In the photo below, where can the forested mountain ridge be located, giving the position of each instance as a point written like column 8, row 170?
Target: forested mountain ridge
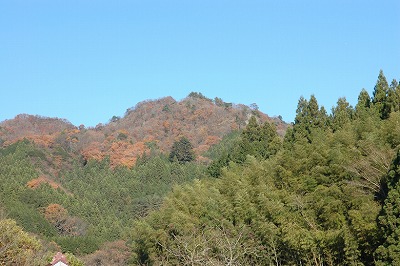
column 57, row 179
column 328, row 194
column 324, row 193
column 151, row 124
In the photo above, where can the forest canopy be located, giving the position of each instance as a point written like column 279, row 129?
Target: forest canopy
column 324, row 193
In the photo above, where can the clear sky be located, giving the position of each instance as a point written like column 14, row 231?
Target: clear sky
column 86, row 60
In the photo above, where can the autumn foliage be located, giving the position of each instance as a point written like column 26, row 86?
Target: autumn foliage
column 151, row 124
column 58, row 216
column 112, row 253
column 36, row 182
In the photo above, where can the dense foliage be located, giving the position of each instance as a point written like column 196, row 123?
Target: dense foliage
column 91, row 204
column 182, row 151
column 325, row 193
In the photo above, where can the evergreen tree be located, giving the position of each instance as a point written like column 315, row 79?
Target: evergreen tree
column 308, row 118
column 380, row 94
column 260, row 141
column 182, row 150
column 252, row 131
column 364, row 101
column 271, row 138
column 341, row 114
column 389, row 220
column 313, row 109
column 250, row 138
column 393, row 99
column 301, row 111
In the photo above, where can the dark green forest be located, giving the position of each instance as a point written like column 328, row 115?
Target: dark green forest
column 325, row 193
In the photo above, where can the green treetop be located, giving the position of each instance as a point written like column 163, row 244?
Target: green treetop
column 182, row 150
column 393, row 99
column 379, row 99
column 341, row 114
column 308, row 117
column 364, row 101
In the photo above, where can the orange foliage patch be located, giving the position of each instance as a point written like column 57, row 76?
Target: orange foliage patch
column 125, row 153
column 201, row 149
column 150, row 138
column 123, row 131
column 202, row 159
column 93, row 151
column 40, row 140
column 55, row 212
column 34, row 183
column 211, row 140
column 111, row 253
column 58, row 160
column 110, row 138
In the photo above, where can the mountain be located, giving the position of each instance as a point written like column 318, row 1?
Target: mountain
column 38, row 128
column 325, row 193
column 70, row 185
column 149, row 125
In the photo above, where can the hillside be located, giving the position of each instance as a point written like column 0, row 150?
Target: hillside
column 38, row 128
column 151, row 124
column 325, row 193
column 70, row 186
column 328, row 194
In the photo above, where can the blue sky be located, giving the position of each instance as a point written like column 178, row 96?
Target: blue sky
column 86, row 61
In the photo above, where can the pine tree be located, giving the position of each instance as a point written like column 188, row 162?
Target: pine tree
column 182, row 150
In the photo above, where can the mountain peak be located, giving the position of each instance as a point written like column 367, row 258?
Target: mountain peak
column 150, row 124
